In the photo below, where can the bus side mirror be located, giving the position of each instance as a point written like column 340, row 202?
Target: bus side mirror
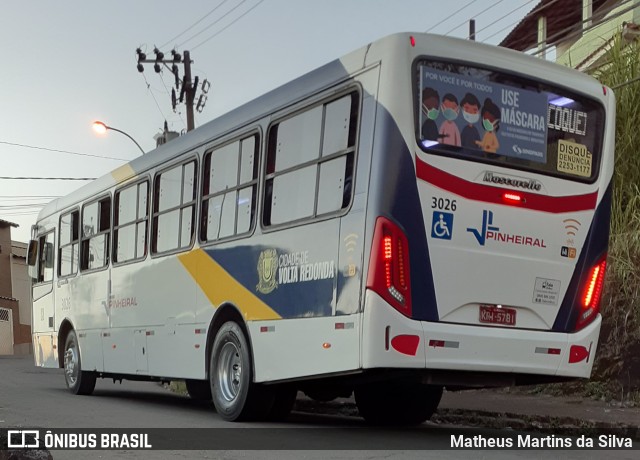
column 32, row 253
column 48, row 255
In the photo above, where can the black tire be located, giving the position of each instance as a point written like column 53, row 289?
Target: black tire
column 284, row 399
column 235, row 396
column 199, row 390
column 396, row 403
column 78, row 382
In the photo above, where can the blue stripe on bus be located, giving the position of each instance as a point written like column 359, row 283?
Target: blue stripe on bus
column 595, row 246
column 400, row 201
column 294, row 300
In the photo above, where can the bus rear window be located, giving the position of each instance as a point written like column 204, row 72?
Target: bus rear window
column 489, row 116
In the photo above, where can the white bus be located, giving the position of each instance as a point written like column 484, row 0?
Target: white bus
column 425, row 212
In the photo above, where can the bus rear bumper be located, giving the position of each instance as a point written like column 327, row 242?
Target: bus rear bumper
column 391, row 340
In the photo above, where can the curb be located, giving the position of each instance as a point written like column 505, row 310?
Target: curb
column 488, row 419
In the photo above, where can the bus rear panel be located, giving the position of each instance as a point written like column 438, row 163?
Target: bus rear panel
column 490, row 226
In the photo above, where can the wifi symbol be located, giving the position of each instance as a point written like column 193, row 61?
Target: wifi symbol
column 571, row 226
column 350, row 242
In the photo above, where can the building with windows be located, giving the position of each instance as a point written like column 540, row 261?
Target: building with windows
column 580, row 32
column 15, row 297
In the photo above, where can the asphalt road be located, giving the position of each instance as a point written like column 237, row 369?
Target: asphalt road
column 32, row 397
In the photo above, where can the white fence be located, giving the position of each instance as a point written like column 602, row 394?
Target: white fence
column 6, row 331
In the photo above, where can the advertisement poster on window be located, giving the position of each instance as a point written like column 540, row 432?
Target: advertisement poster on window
column 467, row 112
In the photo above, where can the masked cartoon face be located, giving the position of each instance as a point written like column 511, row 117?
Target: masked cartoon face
column 488, row 124
column 432, row 113
column 470, row 112
column 450, row 114
column 470, row 117
column 430, row 105
column 450, row 109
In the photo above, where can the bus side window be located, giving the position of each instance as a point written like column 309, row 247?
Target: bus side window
column 174, row 208
column 130, row 223
column 69, row 244
column 229, row 189
column 96, row 228
column 45, row 259
column 310, row 162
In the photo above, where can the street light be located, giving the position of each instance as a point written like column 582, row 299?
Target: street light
column 102, row 128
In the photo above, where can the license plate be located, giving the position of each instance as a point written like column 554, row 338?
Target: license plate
column 493, row 315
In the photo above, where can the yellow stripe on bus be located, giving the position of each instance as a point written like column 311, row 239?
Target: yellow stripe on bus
column 220, row 287
column 122, row 173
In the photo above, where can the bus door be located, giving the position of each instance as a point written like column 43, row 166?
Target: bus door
column 41, row 262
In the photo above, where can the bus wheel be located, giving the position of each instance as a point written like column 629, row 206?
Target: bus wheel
column 78, row 381
column 395, row 403
column 235, row 396
column 199, row 390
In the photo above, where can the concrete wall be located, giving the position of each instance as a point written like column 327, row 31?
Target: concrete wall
column 21, row 287
column 15, row 288
column 5, row 261
column 20, row 281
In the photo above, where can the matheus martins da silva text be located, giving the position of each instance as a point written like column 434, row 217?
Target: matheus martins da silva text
column 607, row 441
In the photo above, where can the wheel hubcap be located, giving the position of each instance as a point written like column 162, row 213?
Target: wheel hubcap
column 71, row 364
column 229, row 373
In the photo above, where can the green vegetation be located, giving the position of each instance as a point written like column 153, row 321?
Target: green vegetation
column 617, row 367
column 616, row 372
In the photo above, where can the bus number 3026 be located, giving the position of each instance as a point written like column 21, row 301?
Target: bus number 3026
column 444, row 204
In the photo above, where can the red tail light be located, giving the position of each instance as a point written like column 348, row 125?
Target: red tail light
column 389, row 266
column 591, row 294
column 512, row 198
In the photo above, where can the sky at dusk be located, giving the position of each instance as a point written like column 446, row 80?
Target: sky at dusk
column 68, row 63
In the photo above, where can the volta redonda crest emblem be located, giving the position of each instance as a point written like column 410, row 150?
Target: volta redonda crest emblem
column 267, row 268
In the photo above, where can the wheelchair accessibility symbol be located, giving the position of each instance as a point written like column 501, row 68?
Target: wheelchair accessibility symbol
column 442, row 225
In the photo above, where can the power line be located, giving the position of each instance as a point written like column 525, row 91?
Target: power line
column 535, row 11
column 628, row 82
column 450, row 16
column 45, row 178
column 580, row 31
column 152, row 95
column 504, row 16
column 194, row 24
column 161, row 75
column 477, row 15
column 523, row 38
column 628, row 67
column 212, row 24
column 601, row 34
column 229, row 25
column 15, row 144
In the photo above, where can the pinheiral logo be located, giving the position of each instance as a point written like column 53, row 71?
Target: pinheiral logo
column 512, row 181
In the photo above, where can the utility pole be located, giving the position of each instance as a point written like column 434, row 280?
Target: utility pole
column 185, row 86
column 188, row 89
